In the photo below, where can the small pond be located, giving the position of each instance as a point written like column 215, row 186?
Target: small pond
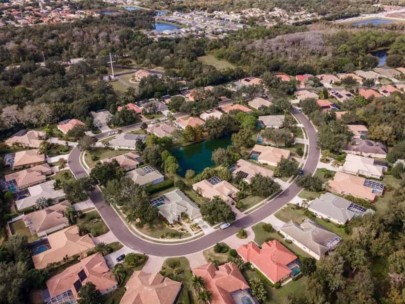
column 197, row 156
column 163, row 26
column 373, row 21
column 382, row 57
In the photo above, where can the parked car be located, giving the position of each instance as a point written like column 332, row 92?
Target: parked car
column 120, row 258
column 224, row 226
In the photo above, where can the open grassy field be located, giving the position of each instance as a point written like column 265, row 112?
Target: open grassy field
column 217, row 63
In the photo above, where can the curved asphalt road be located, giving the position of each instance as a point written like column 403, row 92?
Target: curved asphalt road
column 125, row 236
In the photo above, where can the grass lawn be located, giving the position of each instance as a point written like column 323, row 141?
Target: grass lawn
column 309, row 195
column 195, row 197
column 290, row 213
column 324, row 174
column 161, row 230
column 250, row 201
column 262, row 236
column 178, row 269
column 64, row 176
column 18, row 227
column 298, row 132
column 210, row 255
column 56, row 150
column 217, row 63
column 93, row 156
column 391, row 184
column 277, row 296
column 92, row 223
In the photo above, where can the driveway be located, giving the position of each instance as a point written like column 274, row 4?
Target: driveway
column 136, row 243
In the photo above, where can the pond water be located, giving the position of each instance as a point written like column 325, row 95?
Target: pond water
column 197, row 157
column 382, row 57
column 373, row 21
column 162, row 26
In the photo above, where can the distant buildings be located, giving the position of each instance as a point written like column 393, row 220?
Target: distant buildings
column 369, row 93
column 359, row 131
column 211, row 114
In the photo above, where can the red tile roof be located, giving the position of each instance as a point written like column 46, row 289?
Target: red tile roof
column 132, row 107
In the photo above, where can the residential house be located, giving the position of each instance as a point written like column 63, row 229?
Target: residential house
column 101, row 119
column 283, row 77
column 224, row 283
column 161, row 129
column 41, row 191
column 25, row 159
column 367, row 75
column 272, row 121
column 359, row 165
column 341, row 95
column 126, row 141
column 64, row 243
column 249, row 81
column 26, row 139
column 401, row 70
column 369, row 93
column 48, row 220
column 259, row 102
column 310, row 237
column 387, row 72
column 336, row 209
column 211, row 114
column 128, row 161
column 324, row 104
column 302, row 79
column 147, row 288
column 359, row 131
column 247, row 170
column 339, row 114
column 305, row 94
column 387, row 90
column 347, row 184
column 67, row 125
column 147, row 175
column 214, row 186
column 342, row 76
column 186, row 121
column 273, row 260
column 67, row 284
column 141, row 74
column 172, row 205
column 235, row 107
column 366, row 147
column 328, row 80
column 29, row 177
column 131, row 107
column 269, row 155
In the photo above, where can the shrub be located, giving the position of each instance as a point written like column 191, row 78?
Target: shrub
column 277, row 285
column 242, row 234
column 233, row 253
column 135, row 260
column 268, row 227
column 221, row 248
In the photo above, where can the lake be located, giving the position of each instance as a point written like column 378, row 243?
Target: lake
column 382, row 57
column 162, row 26
column 197, row 156
column 373, row 21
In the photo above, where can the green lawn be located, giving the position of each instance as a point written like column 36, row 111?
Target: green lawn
column 18, row 227
column 162, row 230
column 262, row 236
column 93, row 156
column 210, row 255
column 195, row 197
column 56, row 150
column 250, row 201
column 91, row 222
column 324, row 174
column 219, row 64
column 290, row 213
column 309, row 195
column 64, row 176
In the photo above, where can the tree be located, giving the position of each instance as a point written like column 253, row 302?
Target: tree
column 263, row 186
column 198, row 283
column 217, row 211
column 308, row 266
column 135, row 260
column 86, row 143
column 309, row 106
column 205, row 296
column 244, row 138
column 119, row 273
column 311, row 183
column 124, row 117
column 103, row 249
column 286, row 168
column 102, row 173
column 152, row 155
column 279, row 137
column 88, row 294
column 189, row 134
column 397, row 170
column 221, row 156
column 258, row 290
column 77, row 190
column 77, row 132
column 144, row 126
column 190, row 174
column 71, row 213
column 333, row 136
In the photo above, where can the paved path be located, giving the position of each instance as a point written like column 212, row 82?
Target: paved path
column 126, row 237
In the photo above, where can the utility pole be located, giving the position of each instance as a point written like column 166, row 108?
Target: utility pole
column 112, row 68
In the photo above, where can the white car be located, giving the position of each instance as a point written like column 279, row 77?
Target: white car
column 224, row 226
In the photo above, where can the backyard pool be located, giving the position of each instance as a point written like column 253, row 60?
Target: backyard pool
column 40, row 246
column 197, row 157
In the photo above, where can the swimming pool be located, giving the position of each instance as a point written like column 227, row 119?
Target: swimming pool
column 40, row 246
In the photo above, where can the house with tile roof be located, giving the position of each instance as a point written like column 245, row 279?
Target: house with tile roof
column 29, row 177
column 341, row 95
column 305, row 94
column 269, row 155
column 67, row 125
column 131, row 107
column 273, row 260
column 367, row 74
column 366, row 147
column 369, row 93
column 173, row 204
column 45, row 190
column 162, row 129
column 364, row 166
column 272, row 121
column 26, row 139
column 224, row 283
column 147, row 175
column 359, row 131
column 336, row 209
column 211, row 114
column 249, row 81
column 235, row 107
column 342, row 76
column 324, row 104
column 302, row 79
column 147, row 288
column 214, row 186
column 310, row 237
column 347, row 184
column 388, row 89
column 26, row 159
column 327, row 80
column 126, row 141
column 259, row 102
column 283, row 77
column 128, row 161
column 92, row 269
column 387, row 72
column 247, row 170
column 64, row 243
column 48, row 220
column 184, row 122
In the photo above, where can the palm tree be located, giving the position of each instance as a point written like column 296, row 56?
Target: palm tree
column 198, row 282
column 119, row 273
column 205, row 296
